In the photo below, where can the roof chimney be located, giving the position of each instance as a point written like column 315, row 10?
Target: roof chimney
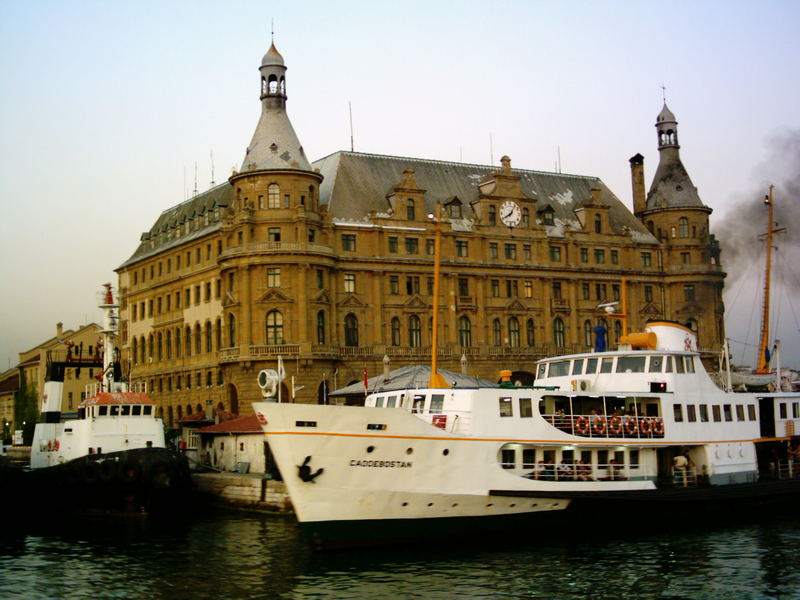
column 637, row 183
column 59, row 329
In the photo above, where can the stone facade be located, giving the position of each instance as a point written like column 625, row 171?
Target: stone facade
column 330, row 265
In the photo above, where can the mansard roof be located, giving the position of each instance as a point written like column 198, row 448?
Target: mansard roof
column 356, row 185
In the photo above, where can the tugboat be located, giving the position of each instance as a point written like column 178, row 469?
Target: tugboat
column 113, row 456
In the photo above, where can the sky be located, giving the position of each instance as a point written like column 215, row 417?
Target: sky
column 108, row 110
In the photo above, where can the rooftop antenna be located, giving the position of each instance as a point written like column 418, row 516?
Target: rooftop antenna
column 664, row 93
column 558, row 149
column 213, row 183
column 185, row 195
column 350, row 108
column 194, row 192
column 491, row 149
column 272, row 31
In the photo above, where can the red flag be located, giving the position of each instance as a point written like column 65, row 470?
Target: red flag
column 366, row 382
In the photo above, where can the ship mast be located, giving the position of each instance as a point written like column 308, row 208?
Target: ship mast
column 763, row 359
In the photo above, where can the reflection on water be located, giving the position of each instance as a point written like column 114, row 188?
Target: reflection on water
column 238, row 555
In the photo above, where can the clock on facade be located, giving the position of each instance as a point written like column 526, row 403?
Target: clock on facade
column 510, row 214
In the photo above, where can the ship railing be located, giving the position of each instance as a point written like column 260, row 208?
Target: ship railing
column 684, row 476
column 608, row 426
column 579, row 471
column 788, row 469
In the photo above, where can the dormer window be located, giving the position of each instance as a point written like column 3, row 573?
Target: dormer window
column 598, row 224
column 410, row 213
column 454, row 210
column 492, row 215
column 548, row 217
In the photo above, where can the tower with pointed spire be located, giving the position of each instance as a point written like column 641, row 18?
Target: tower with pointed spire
column 674, row 213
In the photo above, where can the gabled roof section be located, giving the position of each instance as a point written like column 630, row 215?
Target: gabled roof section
column 356, row 184
column 189, row 220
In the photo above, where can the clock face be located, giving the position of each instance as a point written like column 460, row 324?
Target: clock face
column 510, row 214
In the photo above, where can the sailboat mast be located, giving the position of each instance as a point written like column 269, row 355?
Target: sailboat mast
column 763, row 360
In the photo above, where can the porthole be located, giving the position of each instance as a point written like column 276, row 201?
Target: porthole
column 445, row 451
column 534, row 505
column 430, row 503
column 490, row 504
column 455, row 504
column 405, row 504
column 370, row 449
column 511, row 505
column 409, row 450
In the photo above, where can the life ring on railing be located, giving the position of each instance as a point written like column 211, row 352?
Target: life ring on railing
column 658, row 427
column 646, row 426
column 582, row 425
column 599, row 425
column 615, row 426
column 56, row 445
column 630, row 426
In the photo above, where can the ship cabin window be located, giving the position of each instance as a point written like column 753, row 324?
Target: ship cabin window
column 391, row 401
column 506, row 408
column 102, row 411
column 148, row 410
column 726, row 409
column 668, row 364
column 113, row 411
column 437, row 403
column 783, row 413
column 717, row 412
column 419, row 403
column 679, row 364
column 656, row 363
column 379, row 402
column 704, row 413
column 508, row 458
column 691, row 413
column 606, row 365
column 525, row 408
column 678, row 412
column 630, row 364
column 528, row 458
column 751, row 412
column 795, row 410
column 541, row 373
column 577, row 366
column 591, row 366
column 633, row 459
column 559, row 368
column 740, row 412
column 126, row 411
column 689, row 363
column 136, row 411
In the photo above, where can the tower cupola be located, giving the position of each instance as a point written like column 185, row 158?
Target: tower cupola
column 667, row 128
column 273, row 77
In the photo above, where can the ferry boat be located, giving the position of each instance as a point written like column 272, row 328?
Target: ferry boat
column 113, row 455
column 630, row 430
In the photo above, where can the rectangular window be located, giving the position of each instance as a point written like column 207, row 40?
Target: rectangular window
column 591, row 366
column 633, row 459
column 463, row 286
column 704, row 413
column 795, row 410
column 685, row 258
column 614, row 257
column 606, row 365
column 691, row 413
column 557, row 290
column 506, row 408
column 512, row 288
column 648, row 293
column 525, row 408
column 688, row 293
column 555, row 254
column 462, row 248
column 751, row 412
column 392, row 245
column 430, row 286
column 584, row 255
column 493, row 250
column 168, row 298
column 615, row 292
column 740, row 412
column 274, row 234
column 394, row 284
column 526, row 251
column 349, row 242
column 412, row 246
column 783, row 412
column 585, row 291
column 656, row 363
column 437, row 403
column 430, row 247
column 197, row 294
column 577, row 366
column 599, row 256
column 312, row 236
column 495, row 288
column 320, row 279
column 528, row 458
column 208, row 291
column 528, row 285
column 412, row 284
column 273, row 277
column 133, row 313
column 508, row 458
column 511, row 251
column 726, row 410
column 349, row 282
column 716, row 411
column 647, row 259
column 600, row 290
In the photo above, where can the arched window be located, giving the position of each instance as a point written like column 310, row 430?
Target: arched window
column 159, row 346
column 283, row 86
column 351, row 330
column 273, row 196
column 321, row 327
column 188, row 409
column 198, row 339
column 410, row 213
column 497, row 332
column 465, row 332
column 177, row 343
column 150, row 347
column 272, row 84
column 587, row 334
column 683, row 227
column 209, row 337
column 188, row 341
column 598, row 224
column 558, row 333
column 274, row 327
column 650, row 226
column 395, row 331
column 530, row 332
column 142, row 350
column 513, row 332
column 169, row 415
column 231, row 330
column 414, row 335
column 180, row 412
column 263, row 86
column 617, row 330
column 135, row 351
column 168, row 344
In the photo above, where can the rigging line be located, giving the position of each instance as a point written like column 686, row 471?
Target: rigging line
column 788, row 274
column 742, row 343
column 752, row 313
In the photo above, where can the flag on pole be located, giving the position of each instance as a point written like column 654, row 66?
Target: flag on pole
column 366, row 382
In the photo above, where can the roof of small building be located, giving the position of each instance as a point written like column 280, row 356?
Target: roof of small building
column 248, row 424
column 411, row 377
